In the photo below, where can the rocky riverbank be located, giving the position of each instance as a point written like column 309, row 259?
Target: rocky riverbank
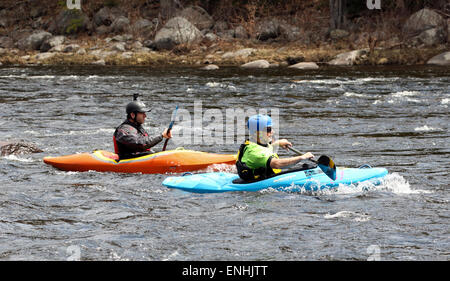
column 193, row 38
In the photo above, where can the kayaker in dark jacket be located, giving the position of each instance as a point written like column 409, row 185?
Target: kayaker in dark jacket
column 130, row 138
column 257, row 159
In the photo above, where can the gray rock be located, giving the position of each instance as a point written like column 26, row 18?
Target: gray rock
column 305, row 65
column 99, row 62
column 120, row 24
column 81, row 52
column 34, row 41
column 198, row 17
column 136, row 45
column 243, row 53
column 44, row 56
column 423, row 20
column 268, row 29
column 52, row 42
column 18, row 148
column 69, row 22
column 432, row 36
column 256, row 64
column 441, row 59
column 348, row 58
column 144, row 27
column 240, row 32
column 71, row 48
column 106, row 16
column 220, row 26
column 103, row 29
column 210, row 67
column 101, row 55
column 177, row 31
column 120, row 47
column 211, row 37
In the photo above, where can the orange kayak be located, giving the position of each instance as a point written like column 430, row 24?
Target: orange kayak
column 170, row 161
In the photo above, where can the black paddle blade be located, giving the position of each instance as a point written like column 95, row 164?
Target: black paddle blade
column 327, row 165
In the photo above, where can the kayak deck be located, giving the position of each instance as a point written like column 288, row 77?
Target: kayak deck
column 170, row 161
column 313, row 179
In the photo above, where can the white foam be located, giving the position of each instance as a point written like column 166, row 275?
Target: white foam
column 425, row 128
column 405, row 94
column 17, row 158
column 348, row 214
column 215, row 85
column 351, row 94
column 397, row 184
column 445, row 101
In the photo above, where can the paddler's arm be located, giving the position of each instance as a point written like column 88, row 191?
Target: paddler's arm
column 130, row 138
column 277, row 163
column 151, row 142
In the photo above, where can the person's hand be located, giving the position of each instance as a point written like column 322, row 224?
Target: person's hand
column 167, row 134
column 307, row 155
column 284, row 143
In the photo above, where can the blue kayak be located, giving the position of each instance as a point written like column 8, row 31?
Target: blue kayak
column 295, row 181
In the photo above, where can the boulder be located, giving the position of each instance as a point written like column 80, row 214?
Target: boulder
column 240, row 32
column 432, row 36
column 256, row 64
column 106, row 16
column 348, row 58
column 143, row 26
column 211, row 37
column 243, row 53
column 6, row 42
column 441, row 59
column 177, row 31
column 423, row 20
column 305, row 65
column 210, row 67
column 268, row 29
column 103, row 29
column 198, row 17
column 17, row 148
column 69, row 22
column 120, row 24
column 44, row 56
column 34, row 41
column 120, row 47
column 71, row 48
column 51, row 42
column 220, row 26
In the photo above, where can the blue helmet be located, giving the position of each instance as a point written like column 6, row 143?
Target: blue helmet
column 258, row 123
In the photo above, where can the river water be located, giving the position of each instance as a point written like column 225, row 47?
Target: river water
column 393, row 117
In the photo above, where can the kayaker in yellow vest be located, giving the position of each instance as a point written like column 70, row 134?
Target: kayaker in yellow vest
column 256, row 158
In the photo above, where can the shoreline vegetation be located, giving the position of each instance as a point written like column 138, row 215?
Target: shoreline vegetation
column 210, row 34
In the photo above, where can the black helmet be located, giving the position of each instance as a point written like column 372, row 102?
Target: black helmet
column 136, row 105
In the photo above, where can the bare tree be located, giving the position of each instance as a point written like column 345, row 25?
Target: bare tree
column 337, row 14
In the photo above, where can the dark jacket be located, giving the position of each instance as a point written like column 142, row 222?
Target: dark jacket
column 131, row 140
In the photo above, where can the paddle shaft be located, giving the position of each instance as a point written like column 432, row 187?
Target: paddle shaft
column 170, row 127
column 325, row 163
column 300, row 153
